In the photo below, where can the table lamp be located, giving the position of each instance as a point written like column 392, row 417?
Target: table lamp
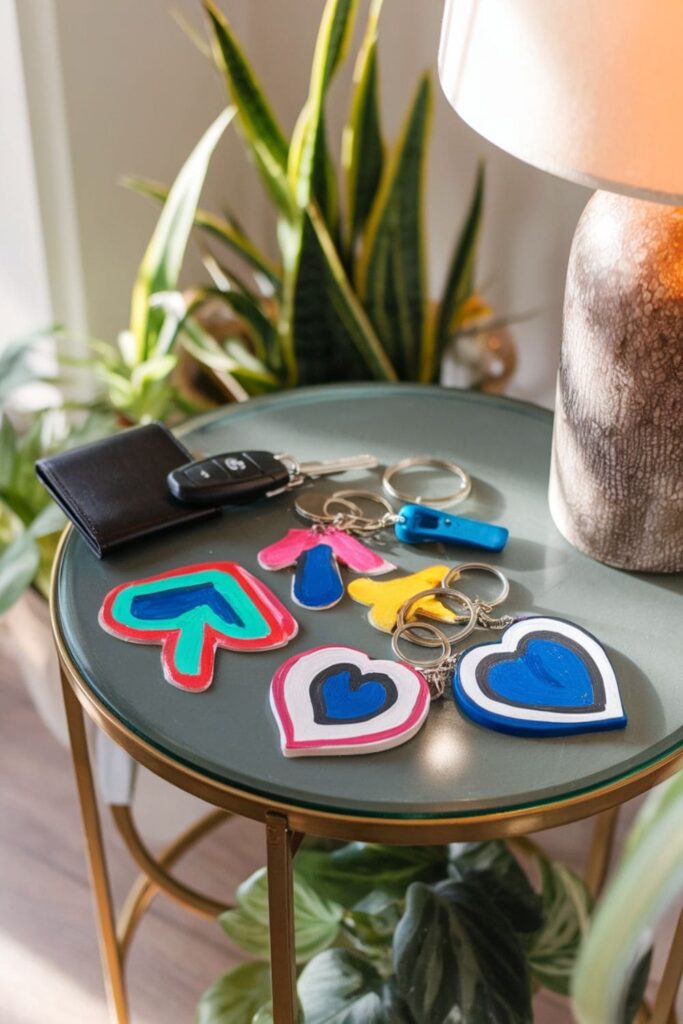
column 593, row 92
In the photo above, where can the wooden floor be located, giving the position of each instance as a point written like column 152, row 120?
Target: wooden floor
column 49, row 966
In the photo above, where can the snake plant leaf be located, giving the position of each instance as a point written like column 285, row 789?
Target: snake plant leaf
column 310, row 168
column 249, row 312
column 647, row 883
column 343, row 987
column 390, row 272
column 459, row 279
column 236, row 997
column 362, row 145
column 327, row 334
column 448, row 947
column 263, row 135
column 162, row 261
column 217, row 227
column 566, row 911
column 316, row 920
column 229, row 358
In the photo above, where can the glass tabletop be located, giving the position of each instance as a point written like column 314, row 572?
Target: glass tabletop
column 452, row 767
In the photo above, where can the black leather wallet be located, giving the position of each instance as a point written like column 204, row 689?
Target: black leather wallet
column 114, row 490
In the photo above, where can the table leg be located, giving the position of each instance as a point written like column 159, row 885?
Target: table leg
column 106, row 924
column 280, row 845
column 600, row 854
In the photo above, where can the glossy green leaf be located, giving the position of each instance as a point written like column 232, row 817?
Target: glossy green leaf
column 566, row 912
column 343, row 987
column 325, row 332
column 50, row 520
column 371, row 923
column 236, row 997
column 457, row 958
column 352, row 872
column 217, row 227
column 263, row 135
column 497, row 871
column 309, row 167
column 317, row 920
column 264, row 1015
column 390, row 273
column 647, row 883
column 161, row 264
column 362, row 145
column 228, row 357
column 18, row 565
column 459, row 279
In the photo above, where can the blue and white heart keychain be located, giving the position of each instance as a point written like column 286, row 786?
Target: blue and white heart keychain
column 545, row 676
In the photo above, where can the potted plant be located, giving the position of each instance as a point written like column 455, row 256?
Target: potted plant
column 410, row 934
column 348, row 298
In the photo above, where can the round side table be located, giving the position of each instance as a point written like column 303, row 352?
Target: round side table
column 454, row 780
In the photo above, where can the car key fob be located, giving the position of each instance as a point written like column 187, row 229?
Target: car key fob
column 234, row 478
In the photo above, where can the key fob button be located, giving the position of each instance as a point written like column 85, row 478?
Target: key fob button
column 239, row 466
column 206, row 473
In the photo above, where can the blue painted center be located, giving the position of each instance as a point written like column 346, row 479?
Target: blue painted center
column 317, row 583
column 547, row 674
column 168, row 604
column 342, row 702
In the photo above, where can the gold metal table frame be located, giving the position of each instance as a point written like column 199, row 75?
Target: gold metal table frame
column 286, row 826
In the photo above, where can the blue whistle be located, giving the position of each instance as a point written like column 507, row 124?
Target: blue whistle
column 418, row 524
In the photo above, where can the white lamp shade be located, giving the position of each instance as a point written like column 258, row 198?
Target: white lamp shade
column 591, row 90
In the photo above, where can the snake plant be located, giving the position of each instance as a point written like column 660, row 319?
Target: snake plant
column 348, row 297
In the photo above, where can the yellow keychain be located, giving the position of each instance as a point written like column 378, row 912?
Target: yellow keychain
column 386, row 597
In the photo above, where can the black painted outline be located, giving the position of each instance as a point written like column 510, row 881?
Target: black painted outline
column 356, row 680
column 599, row 696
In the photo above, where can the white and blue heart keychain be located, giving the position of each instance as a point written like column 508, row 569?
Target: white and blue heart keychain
column 545, row 676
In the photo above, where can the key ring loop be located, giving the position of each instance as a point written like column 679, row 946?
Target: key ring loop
column 408, row 628
column 458, row 571
column 441, row 641
column 427, row 462
column 361, row 522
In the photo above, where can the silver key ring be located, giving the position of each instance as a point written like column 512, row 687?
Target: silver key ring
column 458, row 571
column 441, row 641
column 345, row 499
column 427, row 462
column 408, row 628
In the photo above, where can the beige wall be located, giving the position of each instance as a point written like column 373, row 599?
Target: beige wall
column 137, row 95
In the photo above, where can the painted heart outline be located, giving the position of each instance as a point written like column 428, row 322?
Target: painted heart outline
column 301, row 735
column 273, row 625
column 479, row 701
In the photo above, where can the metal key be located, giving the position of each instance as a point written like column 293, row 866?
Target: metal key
column 238, row 478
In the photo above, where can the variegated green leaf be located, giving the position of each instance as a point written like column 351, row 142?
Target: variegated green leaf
column 316, row 920
column 566, row 911
column 19, row 563
column 236, row 997
column 310, row 169
column 391, row 273
column 325, row 326
column 160, row 267
column 229, row 357
column 248, row 311
column 459, row 280
column 217, row 227
column 263, row 135
column 648, row 882
column 362, row 145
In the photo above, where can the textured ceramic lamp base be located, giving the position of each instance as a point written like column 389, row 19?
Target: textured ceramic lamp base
column 616, row 481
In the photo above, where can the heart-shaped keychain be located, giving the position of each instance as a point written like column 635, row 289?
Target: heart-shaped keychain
column 545, row 676
column 337, row 700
